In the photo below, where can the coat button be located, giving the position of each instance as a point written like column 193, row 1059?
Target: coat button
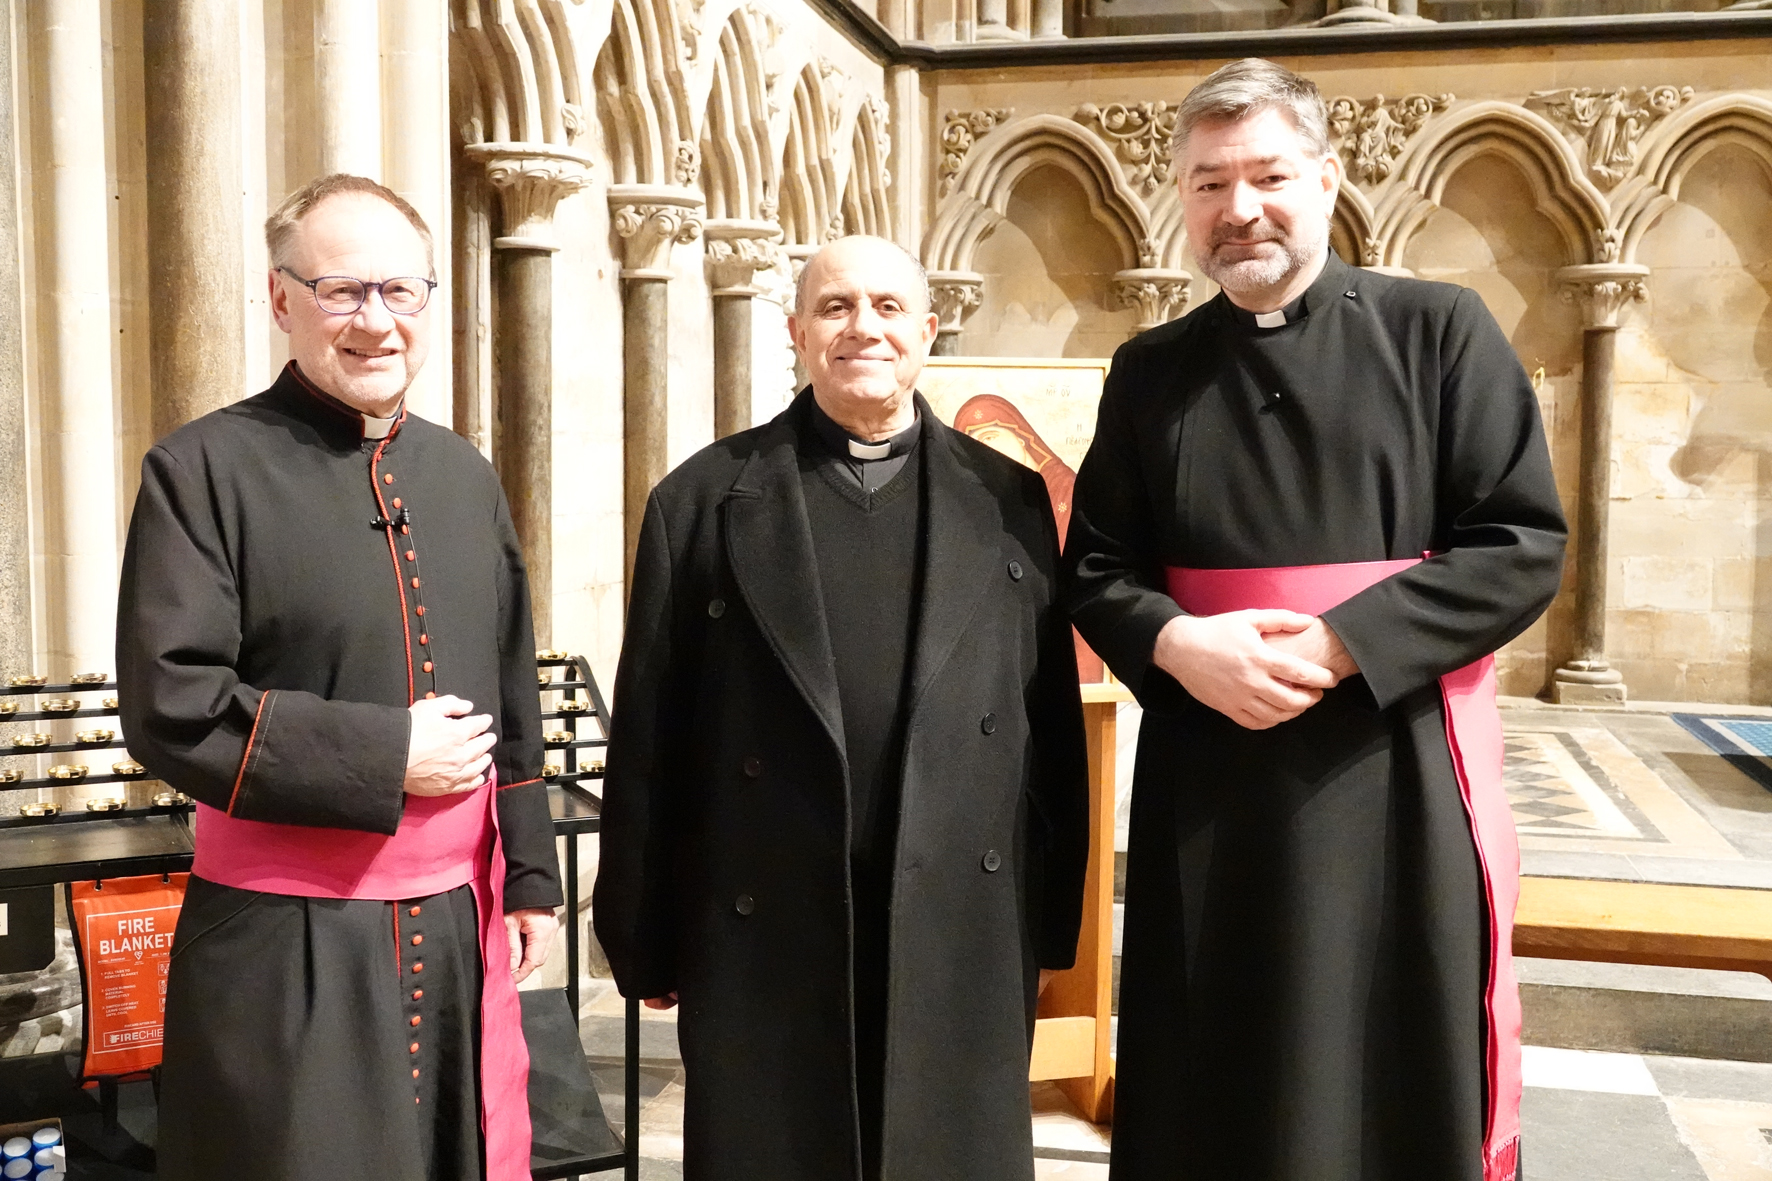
column 414, row 912
column 427, row 666
column 716, row 608
column 993, row 861
column 418, row 994
column 417, row 939
column 418, row 967
column 753, row 766
column 413, row 1048
column 745, row 904
column 1015, row 571
column 988, row 723
column 388, row 479
column 416, row 1019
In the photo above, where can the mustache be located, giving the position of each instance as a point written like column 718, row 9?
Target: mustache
column 1247, row 234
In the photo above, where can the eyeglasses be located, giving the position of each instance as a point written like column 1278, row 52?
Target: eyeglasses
column 341, row 295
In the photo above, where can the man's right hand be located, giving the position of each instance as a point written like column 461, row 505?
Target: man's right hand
column 450, row 749
column 1224, row 663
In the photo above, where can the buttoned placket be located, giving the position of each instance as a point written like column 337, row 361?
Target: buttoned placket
column 409, row 939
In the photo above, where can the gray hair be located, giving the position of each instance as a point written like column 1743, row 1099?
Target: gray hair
column 917, row 269
column 1249, row 87
column 280, row 227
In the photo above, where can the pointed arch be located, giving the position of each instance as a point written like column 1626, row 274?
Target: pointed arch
column 993, row 168
column 810, row 196
column 1677, row 146
column 642, row 104
column 1560, row 189
column 867, row 202
column 739, row 173
column 515, row 72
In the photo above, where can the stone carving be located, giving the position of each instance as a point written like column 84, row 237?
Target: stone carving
column 1612, row 122
column 1158, row 295
column 649, row 230
column 837, row 227
column 960, row 130
column 1608, row 245
column 880, row 114
column 1140, row 133
column 1371, row 252
column 736, row 251
column 1603, row 290
column 531, row 181
column 687, row 164
column 956, row 295
column 835, row 83
column 1371, row 135
column 572, row 118
column 689, row 28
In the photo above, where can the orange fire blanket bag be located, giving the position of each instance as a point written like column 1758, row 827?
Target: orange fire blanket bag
column 123, row 937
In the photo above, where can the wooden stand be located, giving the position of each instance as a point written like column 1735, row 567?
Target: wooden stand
column 1073, row 1041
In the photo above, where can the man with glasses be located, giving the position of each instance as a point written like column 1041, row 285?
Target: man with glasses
column 324, row 637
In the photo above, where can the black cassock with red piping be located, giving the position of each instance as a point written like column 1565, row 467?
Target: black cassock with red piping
column 290, row 587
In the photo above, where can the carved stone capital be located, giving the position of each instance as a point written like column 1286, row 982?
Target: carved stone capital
column 1603, row 290
column 649, row 220
column 956, row 295
column 1140, row 133
column 531, row 179
column 1158, row 293
column 736, row 251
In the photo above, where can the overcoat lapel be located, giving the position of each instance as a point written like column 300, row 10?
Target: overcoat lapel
column 959, row 562
column 769, row 547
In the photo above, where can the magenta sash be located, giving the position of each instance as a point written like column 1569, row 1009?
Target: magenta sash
column 1473, row 732
column 443, row 842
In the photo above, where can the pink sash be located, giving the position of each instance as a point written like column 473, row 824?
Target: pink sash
column 443, row 842
column 1473, row 732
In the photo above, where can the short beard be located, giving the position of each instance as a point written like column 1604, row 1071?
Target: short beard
column 1253, row 276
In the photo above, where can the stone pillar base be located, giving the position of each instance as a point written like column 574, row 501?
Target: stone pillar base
column 1584, row 682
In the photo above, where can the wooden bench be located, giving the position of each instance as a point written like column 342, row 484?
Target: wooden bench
column 1719, row 927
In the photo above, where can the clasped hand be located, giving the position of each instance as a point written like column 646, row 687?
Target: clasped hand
column 450, row 749
column 1258, row 668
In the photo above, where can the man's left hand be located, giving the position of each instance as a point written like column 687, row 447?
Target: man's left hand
column 1318, row 644
column 532, row 934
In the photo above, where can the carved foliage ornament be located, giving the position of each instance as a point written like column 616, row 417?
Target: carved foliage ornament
column 732, row 262
column 954, row 300
column 1601, row 300
column 1158, row 296
column 686, row 166
column 1371, row 135
column 648, row 231
column 1612, row 121
column 1140, row 133
column 530, row 184
column 960, row 130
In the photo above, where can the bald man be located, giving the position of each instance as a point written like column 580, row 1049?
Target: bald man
column 845, row 819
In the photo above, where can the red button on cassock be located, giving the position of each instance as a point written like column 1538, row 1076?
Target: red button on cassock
column 419, row 610
column 415, row 584
column 427, row 666
column 413, row 1048
column 424, row 639
column 418, row 994
column 411, row 556
column 387, row 479
column 417, row 939
column 416, row 1019
column 415, row 1072
column 413, row 912
column 418, row 967
column 396, row 499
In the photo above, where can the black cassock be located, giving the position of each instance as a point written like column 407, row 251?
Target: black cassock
column 259, row 574
column 1304, row 950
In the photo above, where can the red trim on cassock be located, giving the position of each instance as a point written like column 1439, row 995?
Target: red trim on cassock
column 393, row 551
column 257, row 716
column 525, row 783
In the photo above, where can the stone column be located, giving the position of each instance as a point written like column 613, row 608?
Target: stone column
column 1158, row 293
column 347, row 85
column 15, row 535
column 415, row 159
column 1048, row 19
column 80, row 427
column 530, row 179
column 1602, row 290
column 649, row 220
column 798, row 257
column 196, row 256
column 993, row 22
column 956, row 295
column 736, row 251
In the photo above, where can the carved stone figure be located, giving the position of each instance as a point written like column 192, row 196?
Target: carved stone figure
column 1140, row 133
column 1611, row 122
column 1371, row 135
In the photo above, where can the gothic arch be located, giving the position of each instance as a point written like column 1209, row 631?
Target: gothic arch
column 739, row 173
column 641, row 101
column 1560, row 190
column 867, row 203
column 996, row 165
column 1677, row 146
column 516, row 73
column 810, row 196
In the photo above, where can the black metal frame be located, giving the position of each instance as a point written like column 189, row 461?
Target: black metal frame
column 86, row 846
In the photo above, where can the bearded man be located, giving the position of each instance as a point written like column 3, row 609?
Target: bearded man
column 845, row 818
column 323, row 635
column 1322, row 867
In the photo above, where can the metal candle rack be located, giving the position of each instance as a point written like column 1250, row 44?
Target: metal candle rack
column 68, row 702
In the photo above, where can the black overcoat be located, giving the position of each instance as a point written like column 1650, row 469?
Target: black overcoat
column 724, row 865
column 1304, row 950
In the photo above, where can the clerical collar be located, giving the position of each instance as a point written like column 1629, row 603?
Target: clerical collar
column 373, row 428
column 378, row 428
column 846, row 446
column 1331, row 281
column 1296, row 310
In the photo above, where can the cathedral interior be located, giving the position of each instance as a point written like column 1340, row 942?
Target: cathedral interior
column 621, row 192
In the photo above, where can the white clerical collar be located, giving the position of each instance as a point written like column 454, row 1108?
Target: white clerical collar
column 860, row 450
column 378, row 428
column 1271, row 319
